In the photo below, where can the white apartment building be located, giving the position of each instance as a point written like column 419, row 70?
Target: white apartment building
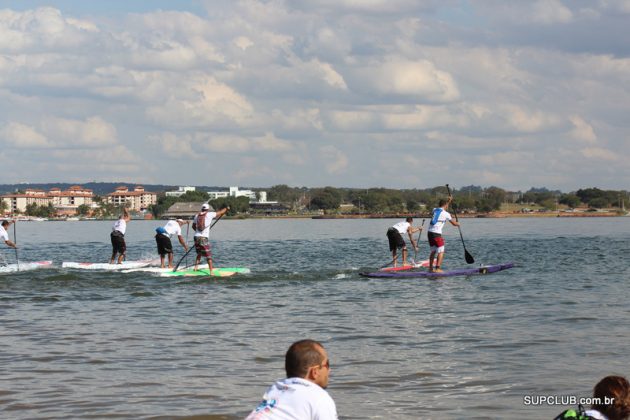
column 180, row 191
column 138, row 199
column 233, row 192
column 65, row 202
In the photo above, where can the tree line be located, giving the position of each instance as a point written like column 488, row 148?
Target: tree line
column 466, row 199
column 388, row 200
column 474, row 199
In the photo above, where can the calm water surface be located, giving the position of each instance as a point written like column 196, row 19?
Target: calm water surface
column 111, row 345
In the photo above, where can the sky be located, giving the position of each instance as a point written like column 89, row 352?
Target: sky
column 345, row 93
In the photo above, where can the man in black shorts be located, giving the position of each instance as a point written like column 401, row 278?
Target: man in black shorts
column 163, row 240
column 396, row 241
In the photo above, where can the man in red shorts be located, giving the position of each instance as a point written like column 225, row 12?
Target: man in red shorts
column 436, row 241
column 201, row 224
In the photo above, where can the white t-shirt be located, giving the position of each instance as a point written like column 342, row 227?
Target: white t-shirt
column 440, row 217
column 295, row 399
column 206, row 232
column 595, row 414
column 172, row 228
column 402, row 227
column 3, row 234
column 120, row 225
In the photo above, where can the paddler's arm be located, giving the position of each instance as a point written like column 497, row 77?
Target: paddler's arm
column 410, row 232
column 10, row 244
column 182, row 242
column 223, row 211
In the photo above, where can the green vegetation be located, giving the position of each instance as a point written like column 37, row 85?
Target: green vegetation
column 40, row 211
column 468, row 199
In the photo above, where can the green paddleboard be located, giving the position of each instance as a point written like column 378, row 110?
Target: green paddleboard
column 216, row 272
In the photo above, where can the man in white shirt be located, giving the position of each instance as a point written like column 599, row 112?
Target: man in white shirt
column 436, row 241
column 302, row 395
column 4, row 235
column 396, row 241
column 163, row 240
column 118, row 237
column 202, row 224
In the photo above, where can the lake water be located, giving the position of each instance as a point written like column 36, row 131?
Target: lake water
column 110, row 345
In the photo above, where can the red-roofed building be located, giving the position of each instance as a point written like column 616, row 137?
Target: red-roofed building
column 65, row 202
column 138, row 199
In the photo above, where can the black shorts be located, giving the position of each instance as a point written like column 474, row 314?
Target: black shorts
column 164, row 244
column 396, row 240
column 118, row 242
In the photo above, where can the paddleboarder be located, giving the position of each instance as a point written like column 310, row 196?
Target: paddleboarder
column 201, row 226
column 118, row 237
column 4, row 235
column 163, row 240
column 396, row 241
column 434, row 233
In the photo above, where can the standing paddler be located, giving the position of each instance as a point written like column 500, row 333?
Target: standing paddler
column 434, row 233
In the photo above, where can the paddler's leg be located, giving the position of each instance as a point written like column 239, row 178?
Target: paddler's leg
column 395, row 257
column 404, row 256
column 438, row 264
column 210, row 264
column 170, row 260
column 431, row 258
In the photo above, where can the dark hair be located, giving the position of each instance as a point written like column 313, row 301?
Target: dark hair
column 442, row 202
column 409, row 219
column 5, row 223
column 617, row 388
column 302, row 355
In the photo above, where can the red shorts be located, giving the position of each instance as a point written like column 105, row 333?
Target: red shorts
column 435, row 240
column 202, row 246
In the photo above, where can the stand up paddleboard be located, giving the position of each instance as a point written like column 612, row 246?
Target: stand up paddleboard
column 24, row 266
column 106, row 266
column 169, row 271
column 216, row 272
column 484, row 269
column 424, row 263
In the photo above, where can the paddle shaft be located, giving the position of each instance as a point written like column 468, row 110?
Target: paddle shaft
column 17, row 259
column 193, row 246
column 415, row 256
column 469, row 258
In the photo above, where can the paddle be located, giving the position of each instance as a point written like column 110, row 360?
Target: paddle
column 469, row 258
column 415, row 255
column 391, row 262
column 15, row 242
column 187, row 230
column 193, row 247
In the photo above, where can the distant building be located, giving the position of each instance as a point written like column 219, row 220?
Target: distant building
column 65, row 202
column 180, row 191
column 138, row 199
column 184, row 211
column 233, row 192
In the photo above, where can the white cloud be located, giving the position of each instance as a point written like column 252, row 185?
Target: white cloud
column 600, row 154
column 22, row 136
column 551, row 12
column 420, row 80
column 582, row 130
column 335, row 160
column 93, row 132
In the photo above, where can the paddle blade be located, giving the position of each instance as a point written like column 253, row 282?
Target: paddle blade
column 469, row 258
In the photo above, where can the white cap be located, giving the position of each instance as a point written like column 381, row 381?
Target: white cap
column 205, row 206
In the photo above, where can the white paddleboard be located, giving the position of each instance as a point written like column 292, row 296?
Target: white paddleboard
column 106, row 266
column 25, row 266
column 169, row 271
